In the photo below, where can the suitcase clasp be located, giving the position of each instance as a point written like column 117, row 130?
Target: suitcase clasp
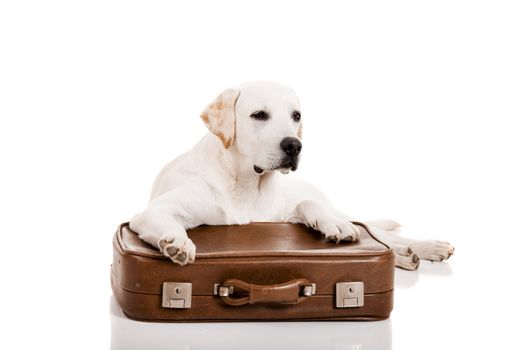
column 349, row 294
column 176, row 295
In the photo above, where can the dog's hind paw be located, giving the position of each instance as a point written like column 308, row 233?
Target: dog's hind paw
column 181, row 251
column 433, row 250
column 406, row 258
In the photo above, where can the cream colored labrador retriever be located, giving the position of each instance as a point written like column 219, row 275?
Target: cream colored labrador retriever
column 234, row 175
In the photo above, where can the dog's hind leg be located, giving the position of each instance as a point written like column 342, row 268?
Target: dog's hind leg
column 424, row 249
column 384, row 224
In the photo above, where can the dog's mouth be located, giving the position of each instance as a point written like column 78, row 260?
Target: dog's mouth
column 290, row 163
column 284, row 166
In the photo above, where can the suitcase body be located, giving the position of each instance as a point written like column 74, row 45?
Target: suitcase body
column 255, row 272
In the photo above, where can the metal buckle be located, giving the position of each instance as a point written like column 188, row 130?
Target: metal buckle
column 176, row 295
column 222, row 291
column 309, row 290
column 349, row 294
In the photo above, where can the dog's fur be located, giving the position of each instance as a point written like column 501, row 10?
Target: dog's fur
column 233, row 176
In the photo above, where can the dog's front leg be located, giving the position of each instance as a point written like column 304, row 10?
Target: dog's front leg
column 325, row 219
column 162, row 229
column 164, row 222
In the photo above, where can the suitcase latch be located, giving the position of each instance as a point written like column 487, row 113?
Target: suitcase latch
column 350, row 294
column 176, row 295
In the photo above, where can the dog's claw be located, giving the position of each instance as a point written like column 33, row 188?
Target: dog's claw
column 410, row 262
column 336, row 230
column 334, row 238
column 351, row 238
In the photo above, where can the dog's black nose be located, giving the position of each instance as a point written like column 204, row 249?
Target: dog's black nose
column 291, row 146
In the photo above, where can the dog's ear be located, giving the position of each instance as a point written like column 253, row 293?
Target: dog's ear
column 219, row 116
column 300, row 131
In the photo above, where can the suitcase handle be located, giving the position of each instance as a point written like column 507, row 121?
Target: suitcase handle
column 292, row 292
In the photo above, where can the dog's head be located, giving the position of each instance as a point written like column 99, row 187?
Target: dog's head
column 262, row 122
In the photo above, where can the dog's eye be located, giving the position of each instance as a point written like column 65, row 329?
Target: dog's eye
column 260, row 115
column 296, row 116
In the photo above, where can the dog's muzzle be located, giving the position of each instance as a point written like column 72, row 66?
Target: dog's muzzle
column 291, row 146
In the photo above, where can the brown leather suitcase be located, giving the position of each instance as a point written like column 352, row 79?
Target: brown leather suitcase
column 255, row 272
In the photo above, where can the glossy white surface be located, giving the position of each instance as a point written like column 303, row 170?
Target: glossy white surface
column 128, row 334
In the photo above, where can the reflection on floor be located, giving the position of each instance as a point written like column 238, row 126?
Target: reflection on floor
column 406, row 279
column 130, row 335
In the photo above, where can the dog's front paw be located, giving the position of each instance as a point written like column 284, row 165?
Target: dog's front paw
column 433, row 250
column 179, row 250
column 336, row 230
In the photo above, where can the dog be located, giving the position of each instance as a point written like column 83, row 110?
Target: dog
column 234, row 175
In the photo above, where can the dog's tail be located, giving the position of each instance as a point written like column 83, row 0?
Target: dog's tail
column 384, row 224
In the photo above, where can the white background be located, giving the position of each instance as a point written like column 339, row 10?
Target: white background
column 412, row 110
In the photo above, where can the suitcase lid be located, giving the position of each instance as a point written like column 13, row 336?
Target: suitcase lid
column 259, row 239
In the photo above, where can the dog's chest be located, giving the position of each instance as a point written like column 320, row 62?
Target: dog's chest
column 240, row 207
